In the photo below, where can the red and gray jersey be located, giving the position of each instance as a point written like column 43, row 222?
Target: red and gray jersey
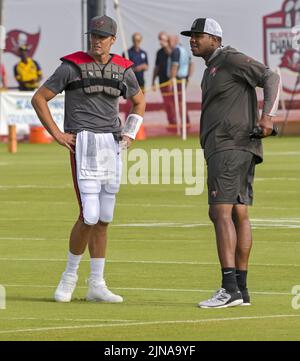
column 92, row 102
column 229, row 101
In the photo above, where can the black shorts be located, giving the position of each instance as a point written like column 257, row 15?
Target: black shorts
column 230, row 176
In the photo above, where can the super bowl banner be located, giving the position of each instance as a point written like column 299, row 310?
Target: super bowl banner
column 16, row 108
column 281, row 43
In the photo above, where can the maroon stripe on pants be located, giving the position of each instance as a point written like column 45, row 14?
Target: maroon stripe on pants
column 75, row 182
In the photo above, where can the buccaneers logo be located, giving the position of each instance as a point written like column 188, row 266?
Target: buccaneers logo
column 16, row 38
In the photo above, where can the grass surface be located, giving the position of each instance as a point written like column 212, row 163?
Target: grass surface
column 161, row 254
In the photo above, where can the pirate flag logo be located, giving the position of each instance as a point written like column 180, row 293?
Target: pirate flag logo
column 16, row 38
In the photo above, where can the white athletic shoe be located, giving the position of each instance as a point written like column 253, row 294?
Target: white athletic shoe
column 98, row 292
column 223, row 299
column 66, row 287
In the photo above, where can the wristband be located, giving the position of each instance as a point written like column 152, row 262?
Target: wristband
column 132, row 125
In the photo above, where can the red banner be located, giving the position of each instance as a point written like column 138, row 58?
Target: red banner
column 15, row 38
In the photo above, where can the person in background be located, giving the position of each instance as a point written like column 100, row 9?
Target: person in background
column 28, row 72
column 140, row 65
column 180, row 67
column 139, row 58
column 161, row 71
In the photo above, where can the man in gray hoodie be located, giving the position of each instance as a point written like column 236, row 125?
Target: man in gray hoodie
column 229, row 115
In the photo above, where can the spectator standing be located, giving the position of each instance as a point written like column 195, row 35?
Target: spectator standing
column 140, row 65
column 27, row 71
column 139, row 58
column 180, row 67
column 161, row 71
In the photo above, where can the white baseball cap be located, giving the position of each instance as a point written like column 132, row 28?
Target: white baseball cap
column 204, row 25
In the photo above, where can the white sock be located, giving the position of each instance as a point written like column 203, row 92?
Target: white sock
column 73, row 263
column 97, row 268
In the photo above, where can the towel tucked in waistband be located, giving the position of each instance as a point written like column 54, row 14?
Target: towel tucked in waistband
column 96, row 155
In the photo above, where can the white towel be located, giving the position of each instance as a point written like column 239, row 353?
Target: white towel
column 97, row 156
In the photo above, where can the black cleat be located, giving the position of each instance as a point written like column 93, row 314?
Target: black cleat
column 246, row 298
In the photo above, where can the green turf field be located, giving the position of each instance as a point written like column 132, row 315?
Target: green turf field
column 161, row 255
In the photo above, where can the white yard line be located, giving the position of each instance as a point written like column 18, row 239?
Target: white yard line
column 275, row 220
column 120, row 204
column 146, row 224
column 34, row 186
column 62, row 319
column 283, row 153
column 27, row 239
column 194, row 263
column 37, row 201
column 257, row 223
column 31, row 219
column 186, row 241
column 194, row 290
column 147, row 205
column 148, row 323
column 12, row 259
column 134, row 289
column 276, row 179
column 277, row 191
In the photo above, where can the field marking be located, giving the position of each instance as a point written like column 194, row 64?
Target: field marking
column 153, row 289
column 62, row 319
column 120, row 204
column 189, row 241
column 277, row 191
column 149, row 323
column 276, row 179
column 36, row 219
column 198, row 263
column 6, row 187
column 193, row 263
column 257, row 223
column 194, row 290
column 37, row 201
column 146, row 205
column 169, row 205
column 283, row 153
column 162, row 224
column 27, row 239
column 147, row 262
column 288, row 220
column 278, row 208
column 34, row 186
